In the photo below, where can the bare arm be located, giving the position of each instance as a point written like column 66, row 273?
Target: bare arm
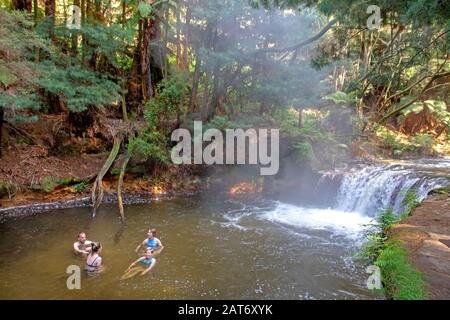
column 139, row 246
column 77, row 250
column 133, row 264
column 149, row 268
column 160, row 247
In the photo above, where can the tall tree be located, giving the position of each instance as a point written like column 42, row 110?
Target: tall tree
column 1, row 129
column 49, row 11
column 22, row 5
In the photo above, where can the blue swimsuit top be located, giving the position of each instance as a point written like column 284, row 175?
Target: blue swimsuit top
column 146, row 262
column 152, row 243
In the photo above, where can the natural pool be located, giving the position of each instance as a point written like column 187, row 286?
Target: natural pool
column 223, row 248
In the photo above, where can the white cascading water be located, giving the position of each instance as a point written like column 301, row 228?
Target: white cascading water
column 362, row 193
column 348, row 224
column 373, row 188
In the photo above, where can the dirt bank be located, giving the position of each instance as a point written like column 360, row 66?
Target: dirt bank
column 426, row 236
column 32, row 181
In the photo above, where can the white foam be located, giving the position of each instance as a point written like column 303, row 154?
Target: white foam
column 373, row 188
column 349, row 224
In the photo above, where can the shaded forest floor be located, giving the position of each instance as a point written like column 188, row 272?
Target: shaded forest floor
column 29, row 165
column 426, row 237
column 30, row 175
column 68, row 173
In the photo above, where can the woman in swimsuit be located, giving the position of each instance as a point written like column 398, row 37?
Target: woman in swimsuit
column 94, row 261
column 142, row 265
column 151, row 242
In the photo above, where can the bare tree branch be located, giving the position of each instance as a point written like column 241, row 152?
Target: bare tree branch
column 301, row 44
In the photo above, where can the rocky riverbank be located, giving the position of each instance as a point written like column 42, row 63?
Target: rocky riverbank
column 426, row 237
column 85, row 201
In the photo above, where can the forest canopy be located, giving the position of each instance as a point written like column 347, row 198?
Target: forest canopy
column 129, row 72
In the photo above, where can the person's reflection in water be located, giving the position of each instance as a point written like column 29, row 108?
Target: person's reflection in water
column 118, row 235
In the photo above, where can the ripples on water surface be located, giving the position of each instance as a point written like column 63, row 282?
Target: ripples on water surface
column 213, row 249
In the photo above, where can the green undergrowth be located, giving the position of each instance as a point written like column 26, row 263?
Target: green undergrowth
column 401, row 280
column 49, row 183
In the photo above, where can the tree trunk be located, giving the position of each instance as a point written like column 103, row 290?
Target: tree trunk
column 146, row 78
column 195, row 81
column 140, row 80
column 50, row 14
column 85, row 9
column 74, row 46
column 178, row 35
column 124, row 13
column 97, row 189
column 215, row 101
column 187, row 35
column 50, row 8
column 300, row 117
column 96, row 17
column 35, row 5
column 22, row 5
column 133, row 93
column 1, row 129
column 120, row 184
column 205, row 91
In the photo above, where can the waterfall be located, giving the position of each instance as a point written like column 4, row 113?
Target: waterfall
column 369, row 189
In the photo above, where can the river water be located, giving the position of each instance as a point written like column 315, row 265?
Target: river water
column 222, row 248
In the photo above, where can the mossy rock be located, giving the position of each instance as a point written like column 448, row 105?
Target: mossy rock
column 137, row 169
column 444, row 190
column 5, row 188
column 49, row 183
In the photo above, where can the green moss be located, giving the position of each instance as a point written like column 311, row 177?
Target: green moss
column 49, row 183
column 139, row 169
column 115, row 171
column 401, row 280
column 409, row 202
column 4, row 188
column 81, row 186
column 445, row 190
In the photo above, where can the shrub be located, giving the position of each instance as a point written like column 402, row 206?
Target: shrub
column 402, row 281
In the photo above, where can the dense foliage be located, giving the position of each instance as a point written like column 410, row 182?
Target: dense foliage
column 162, row 64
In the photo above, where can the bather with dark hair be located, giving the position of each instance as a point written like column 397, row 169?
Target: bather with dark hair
column 94, row 261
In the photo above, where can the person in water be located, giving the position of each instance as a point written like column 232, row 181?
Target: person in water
column 82, row 245
column 151, row 242
column 94, row 261
column 143, row 265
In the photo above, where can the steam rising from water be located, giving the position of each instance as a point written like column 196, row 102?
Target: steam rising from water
column 362, row 194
